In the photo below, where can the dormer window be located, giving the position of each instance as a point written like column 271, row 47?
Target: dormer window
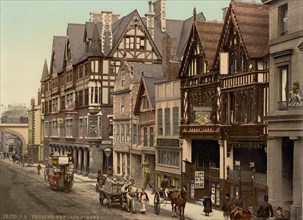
column 145, row 102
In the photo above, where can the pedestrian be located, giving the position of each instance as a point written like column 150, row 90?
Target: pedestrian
column 265, row 210
column 280, row 213
column 225, row 206
column 143, row 199
column 207, row 203
column 147, row 180
column 39, row 168
column 239, row 202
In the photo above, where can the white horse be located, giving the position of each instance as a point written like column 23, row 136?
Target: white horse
column 132, row 193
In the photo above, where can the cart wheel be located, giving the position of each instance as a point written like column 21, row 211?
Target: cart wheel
column 109, row 202
column 157, row 203
column 101, row 198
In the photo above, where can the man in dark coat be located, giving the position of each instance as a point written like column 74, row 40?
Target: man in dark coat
column 207, row 205
column 265, row 209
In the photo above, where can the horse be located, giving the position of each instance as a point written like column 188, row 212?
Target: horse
column 238, row 213
column 132, row 193
column 178, row 198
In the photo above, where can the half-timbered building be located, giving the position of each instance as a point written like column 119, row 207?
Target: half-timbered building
column 244, row 69
column 224, row 93
column 200, row 86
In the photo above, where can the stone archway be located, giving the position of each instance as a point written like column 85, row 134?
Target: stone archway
column 19, row 130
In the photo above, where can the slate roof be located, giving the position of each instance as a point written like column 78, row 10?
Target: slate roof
column 45, row 73
column 148, row 70
column 75, row 33
column 149, row 83
column 59, row 51
column 252, row 20
column 179, row 29
column 209, row 34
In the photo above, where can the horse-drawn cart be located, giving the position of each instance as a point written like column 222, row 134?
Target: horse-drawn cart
column 174, row 196
column 110, row 191
column 60, row 174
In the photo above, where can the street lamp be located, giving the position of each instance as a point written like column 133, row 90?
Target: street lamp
column 107, row 152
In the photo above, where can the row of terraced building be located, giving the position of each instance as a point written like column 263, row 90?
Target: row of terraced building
column 215, row 106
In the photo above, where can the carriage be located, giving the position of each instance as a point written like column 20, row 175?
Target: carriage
column 174, row 196
column 60, row 174
column 162, row 198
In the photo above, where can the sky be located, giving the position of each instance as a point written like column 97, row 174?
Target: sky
column 28, row 27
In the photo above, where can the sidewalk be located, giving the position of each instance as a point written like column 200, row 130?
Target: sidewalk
column 193, row 211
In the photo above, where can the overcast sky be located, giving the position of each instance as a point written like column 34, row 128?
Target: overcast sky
column 28, row 27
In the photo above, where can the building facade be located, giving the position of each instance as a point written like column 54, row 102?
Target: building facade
column 285, row 117
column 224, row 93
column 34, row 146
column 169, row 150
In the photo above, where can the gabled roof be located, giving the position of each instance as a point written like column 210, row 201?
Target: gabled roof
column 209, row 34
column 147, row 84
column 119, row 28
column 251, row 20
column 45, row 73
column 179, row 29
column 75, row 34
column 59, row 51
column 206, row 34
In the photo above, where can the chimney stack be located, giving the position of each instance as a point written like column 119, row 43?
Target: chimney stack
column 160, row 13
column 150, row 17
column 106, row 32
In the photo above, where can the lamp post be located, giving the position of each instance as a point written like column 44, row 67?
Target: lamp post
column 107, row 152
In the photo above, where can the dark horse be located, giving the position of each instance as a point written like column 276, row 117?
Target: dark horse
column 178, row 198
column 237, row 212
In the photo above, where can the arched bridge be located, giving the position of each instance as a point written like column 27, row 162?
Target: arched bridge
column 20, row 130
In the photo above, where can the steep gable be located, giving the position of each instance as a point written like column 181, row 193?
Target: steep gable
column 147, row 88
column 45, row 73
column 250, row 22
column 201, row 48
column 130, row 25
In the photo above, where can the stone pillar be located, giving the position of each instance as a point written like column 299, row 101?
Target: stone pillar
column 79, row 170
column 296, row 207
column 84, row 167
column 75, row 159
column 274, row 171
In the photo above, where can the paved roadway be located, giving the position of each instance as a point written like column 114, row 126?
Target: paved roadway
column 26, row 195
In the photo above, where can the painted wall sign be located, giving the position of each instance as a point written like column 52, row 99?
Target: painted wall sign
column 251, row 144
column 199, row 179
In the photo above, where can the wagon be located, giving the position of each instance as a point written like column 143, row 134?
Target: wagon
column 110, row 191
